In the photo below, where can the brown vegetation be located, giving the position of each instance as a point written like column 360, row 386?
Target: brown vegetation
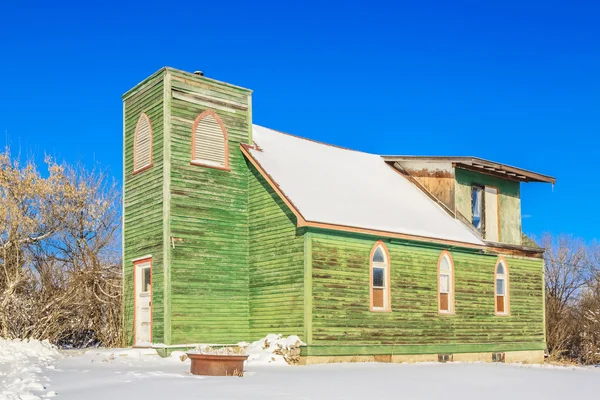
column 60, row 274
column 572, row 299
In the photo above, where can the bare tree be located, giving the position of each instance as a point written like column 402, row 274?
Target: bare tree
column 572, row 272
column 30, row 213
column 88, row 249
column 566, row 274
column 60, row 275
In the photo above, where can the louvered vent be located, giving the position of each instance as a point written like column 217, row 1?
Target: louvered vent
column 209, row 142
column 142, row 146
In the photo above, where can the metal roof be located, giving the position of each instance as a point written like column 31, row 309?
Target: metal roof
column 481, row 165
column 332, row 187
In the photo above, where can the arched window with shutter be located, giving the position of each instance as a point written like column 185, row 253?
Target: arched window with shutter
column 142, row 144
column 380, row 278
column 445, row 283
column 209, row 141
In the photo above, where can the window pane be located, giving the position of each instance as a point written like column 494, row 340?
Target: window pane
column 378, row 256
column 146, row 280
column 500, row 270
column 476, row 195
column 378, row 277
column 378, row 297
column 444, row 303
column 500, row 287
column 445, row 264
column 444, row 283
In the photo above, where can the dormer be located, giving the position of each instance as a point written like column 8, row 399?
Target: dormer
column 483, row 194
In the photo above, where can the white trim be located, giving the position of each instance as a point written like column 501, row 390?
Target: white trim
column 141, row 258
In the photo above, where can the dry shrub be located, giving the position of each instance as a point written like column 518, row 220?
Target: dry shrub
column 60, row 273
column 572, row 272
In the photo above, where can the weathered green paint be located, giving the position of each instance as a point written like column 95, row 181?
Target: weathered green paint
column 250, row 119
column 341, row 313
column 208, row 218
column 142, row 202
column 192, row 220
column 308, row 295
column 544, row 294
column 167, row 99
column 276, row 264
column 230, row 264
column 510, row 201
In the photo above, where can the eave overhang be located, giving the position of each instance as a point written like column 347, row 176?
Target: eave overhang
column 480, row 165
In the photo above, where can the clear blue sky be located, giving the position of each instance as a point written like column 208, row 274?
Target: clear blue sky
column 517, row 82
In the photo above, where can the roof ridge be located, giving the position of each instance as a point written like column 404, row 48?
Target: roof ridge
column 315, row 141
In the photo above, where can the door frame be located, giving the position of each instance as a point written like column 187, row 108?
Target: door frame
column 136, row 263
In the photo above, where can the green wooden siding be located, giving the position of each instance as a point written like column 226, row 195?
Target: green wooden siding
column 341, row 316
column 276, row 264
column 208, row 218
column 239, row 268
column 143, row 199
column 510, row 201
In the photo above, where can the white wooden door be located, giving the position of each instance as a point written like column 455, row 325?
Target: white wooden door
column 143, row 303
column 492, row 215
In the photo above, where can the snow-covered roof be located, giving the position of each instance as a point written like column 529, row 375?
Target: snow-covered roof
column 332, row 185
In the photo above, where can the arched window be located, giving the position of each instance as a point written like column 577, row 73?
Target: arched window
column 380, row 278
column 142, row 144
column 445, row 283
column 501, row 287
column 209, row 141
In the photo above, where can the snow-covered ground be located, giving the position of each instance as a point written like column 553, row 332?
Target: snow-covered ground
column 138, row 374
column 23, row 365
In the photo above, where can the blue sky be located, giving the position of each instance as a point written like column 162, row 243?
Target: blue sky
column 515, row 82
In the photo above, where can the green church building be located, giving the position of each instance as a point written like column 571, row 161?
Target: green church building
column 233, row 231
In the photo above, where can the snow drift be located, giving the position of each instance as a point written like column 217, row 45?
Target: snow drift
column 273, row 349
column 22, row 364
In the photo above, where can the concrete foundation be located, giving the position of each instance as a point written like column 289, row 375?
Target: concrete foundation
column 526, row 357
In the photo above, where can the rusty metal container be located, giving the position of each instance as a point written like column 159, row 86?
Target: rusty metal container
column 217, row 364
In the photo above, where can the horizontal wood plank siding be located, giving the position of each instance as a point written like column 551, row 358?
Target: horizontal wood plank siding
column 209, row 219
column 276, row 263
column 341, row 313
column 142, row 214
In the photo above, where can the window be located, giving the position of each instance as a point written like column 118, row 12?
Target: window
column 146, row 279
column 485, row 211
column 501, row 288
column 209, row 141
column 446, row 283
column 380, row 278
column 142, row 144
column 477, row 207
